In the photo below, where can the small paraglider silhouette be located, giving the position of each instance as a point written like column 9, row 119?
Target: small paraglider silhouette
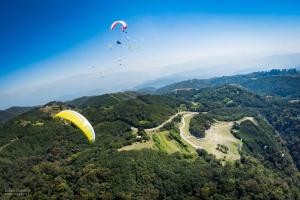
column 123, row 27
column 120, row 61
column 125, row 38
column 265, row 146
column 122, row 23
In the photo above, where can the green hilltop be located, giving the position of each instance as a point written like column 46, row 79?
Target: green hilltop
column 51, row 159
column 284, row 83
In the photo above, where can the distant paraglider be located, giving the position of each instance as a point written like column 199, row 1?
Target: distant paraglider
column 120, row 61
column 121, row 22
column 123, row 40
column 80, row 121
column 124, row 27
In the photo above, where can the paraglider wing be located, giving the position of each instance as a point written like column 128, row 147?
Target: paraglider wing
column 80, row 121
column 123, row 27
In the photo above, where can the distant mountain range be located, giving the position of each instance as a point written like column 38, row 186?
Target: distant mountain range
column 285, row 83
column 226, row 66
column 6, row 115
column 102, row 81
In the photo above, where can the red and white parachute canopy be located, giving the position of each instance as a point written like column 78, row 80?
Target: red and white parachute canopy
column 124, row 25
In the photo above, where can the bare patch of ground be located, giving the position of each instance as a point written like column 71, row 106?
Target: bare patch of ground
column 219, row 133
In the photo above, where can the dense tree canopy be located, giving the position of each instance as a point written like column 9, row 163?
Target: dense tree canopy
column 199, row 124
column 52, row 160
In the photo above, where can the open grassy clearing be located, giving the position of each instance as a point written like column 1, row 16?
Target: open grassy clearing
column 134, row 131
column 151, row 131
column 164, row 142
column 219, row 133
column 138, row 145
column 167, row 144
column 161, row 140
column 184, row 129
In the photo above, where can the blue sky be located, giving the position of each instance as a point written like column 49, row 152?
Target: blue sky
column 44, row 41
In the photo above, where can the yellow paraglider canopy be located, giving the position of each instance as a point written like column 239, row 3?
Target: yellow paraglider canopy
column 80, row 121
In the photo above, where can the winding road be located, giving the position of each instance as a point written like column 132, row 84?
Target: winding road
column 4, row 146
column 185, row 126
column 149, row 130
column 152, row 131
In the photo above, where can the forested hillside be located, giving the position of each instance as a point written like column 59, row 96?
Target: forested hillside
column 233, row 102
column 50, row 159
column 285, row 83
column 6, row 115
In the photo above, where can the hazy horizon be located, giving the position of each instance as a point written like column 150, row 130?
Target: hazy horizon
column 63, row 53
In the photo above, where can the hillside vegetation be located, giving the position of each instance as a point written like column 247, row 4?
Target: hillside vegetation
column 6, row 115
column 231, row 102
column 285, row 83
column 199, row 124
column 38, row 151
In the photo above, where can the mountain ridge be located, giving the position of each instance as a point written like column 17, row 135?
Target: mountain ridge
column 14, row 111
column 42, row 159
column 255, row 81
